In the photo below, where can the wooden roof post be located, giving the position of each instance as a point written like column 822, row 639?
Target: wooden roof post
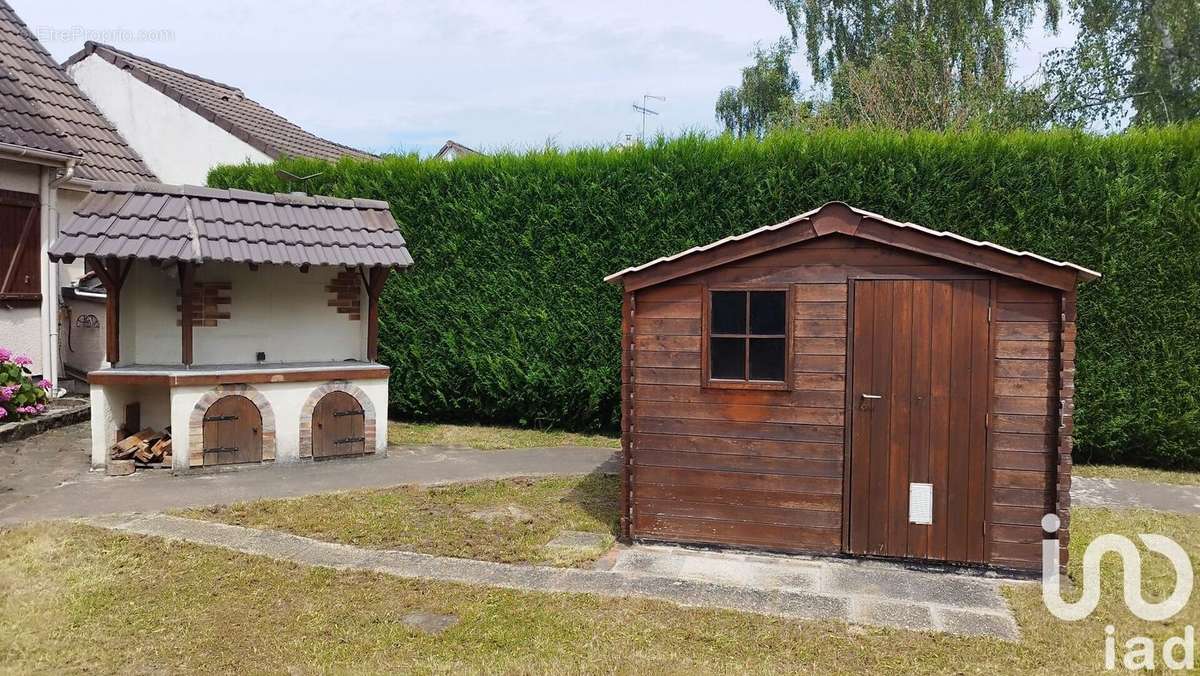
column 187, row 299
column 376, row 280
column 112, row 275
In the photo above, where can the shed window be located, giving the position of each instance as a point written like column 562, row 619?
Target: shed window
column 747, row 336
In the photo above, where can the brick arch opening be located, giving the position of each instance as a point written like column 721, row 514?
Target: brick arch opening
column 306, row 415
column 196, row 421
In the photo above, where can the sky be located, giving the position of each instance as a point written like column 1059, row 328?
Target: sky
column 491, row 74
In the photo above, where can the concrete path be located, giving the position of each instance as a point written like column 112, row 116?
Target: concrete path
column 47, row 476
column 1125, row 493
column 91, row 493
column 856, row 592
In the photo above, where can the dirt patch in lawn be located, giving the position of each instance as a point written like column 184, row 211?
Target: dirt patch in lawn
column 76, row 599
column 488, row 438
column 508, row 521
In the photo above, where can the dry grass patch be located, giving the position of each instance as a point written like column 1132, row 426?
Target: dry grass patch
column 508, row 521
column 1161, row 476
column 72, row 597
column 488, row 438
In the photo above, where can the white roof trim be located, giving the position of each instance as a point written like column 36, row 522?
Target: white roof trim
column 808, row 214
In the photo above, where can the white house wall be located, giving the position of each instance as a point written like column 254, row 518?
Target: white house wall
column 67, row 202
column 178, row 145
column 276, row 309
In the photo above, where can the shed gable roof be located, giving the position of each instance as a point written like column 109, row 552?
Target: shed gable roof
column 189, row 223
column 840, row 218
column 41, row 108
column 223, row 105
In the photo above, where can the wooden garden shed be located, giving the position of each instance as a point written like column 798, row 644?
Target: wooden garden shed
column 845, row 383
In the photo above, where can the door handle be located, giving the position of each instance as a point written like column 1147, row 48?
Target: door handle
column 872, row 396
column 868, row 401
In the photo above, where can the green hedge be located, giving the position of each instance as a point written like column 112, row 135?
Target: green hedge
column 504, row 317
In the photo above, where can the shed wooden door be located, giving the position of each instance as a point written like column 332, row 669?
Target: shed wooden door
column 232, row 431
column 919, row 399
column 338, row 425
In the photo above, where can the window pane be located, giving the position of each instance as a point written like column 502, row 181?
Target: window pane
column 728, row 312
column 767, row 359
column 728, row 359
column 768, row 312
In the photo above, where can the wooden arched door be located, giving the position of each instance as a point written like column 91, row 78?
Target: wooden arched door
column 338, row 426
column 232, row 431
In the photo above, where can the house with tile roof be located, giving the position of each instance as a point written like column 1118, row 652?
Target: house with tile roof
column 54, row 145
column 184, row 124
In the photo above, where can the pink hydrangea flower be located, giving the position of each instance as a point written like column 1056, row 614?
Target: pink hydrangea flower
column 3, row 412
column 5, row 354
column 6, row 393
column 22, row 360
column 41, row 408
column 45, row 384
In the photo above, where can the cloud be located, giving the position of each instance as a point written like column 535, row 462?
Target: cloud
column 402, row 76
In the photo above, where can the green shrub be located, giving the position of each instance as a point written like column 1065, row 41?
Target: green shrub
column 504, row 317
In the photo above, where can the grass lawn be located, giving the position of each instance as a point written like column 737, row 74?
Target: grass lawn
column 507, row 521
column 1162, row 476
column 75, row 599
column 484, row 437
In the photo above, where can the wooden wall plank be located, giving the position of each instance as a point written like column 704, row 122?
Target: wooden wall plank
column 727, row 462
column 767, row 448
column 742, row 498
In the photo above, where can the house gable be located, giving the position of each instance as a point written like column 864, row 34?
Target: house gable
column 178, row 144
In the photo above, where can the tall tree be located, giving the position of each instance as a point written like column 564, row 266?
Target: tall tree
column 911, row 84
column 768, row 90
column 975, row 34
column 1139, row 56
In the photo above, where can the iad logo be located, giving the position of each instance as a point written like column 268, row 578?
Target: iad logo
column 1139, row 649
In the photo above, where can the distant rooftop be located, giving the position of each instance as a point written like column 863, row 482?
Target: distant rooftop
column 225, row 106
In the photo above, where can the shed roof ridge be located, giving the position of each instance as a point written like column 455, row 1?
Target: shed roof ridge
column 865, row 214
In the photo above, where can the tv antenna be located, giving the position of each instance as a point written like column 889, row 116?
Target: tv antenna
column 645, row 110
column 287, row 177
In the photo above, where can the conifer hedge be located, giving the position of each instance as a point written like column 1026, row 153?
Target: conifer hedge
column 504, row 317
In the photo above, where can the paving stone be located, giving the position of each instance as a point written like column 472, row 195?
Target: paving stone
column 897, row 583
column 503, row 514
column 332, row 556
column 971, row 623
column 905, row 615
column 430, row 623
column 814, row 606
column 110, row 521
column 276, row 545
column 575, row 540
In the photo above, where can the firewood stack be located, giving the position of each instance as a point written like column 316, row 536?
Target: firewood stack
column 147, row 448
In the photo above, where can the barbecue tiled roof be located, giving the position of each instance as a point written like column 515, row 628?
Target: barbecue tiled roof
column 41, row 108
column 223, row 105
column 190, row 223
